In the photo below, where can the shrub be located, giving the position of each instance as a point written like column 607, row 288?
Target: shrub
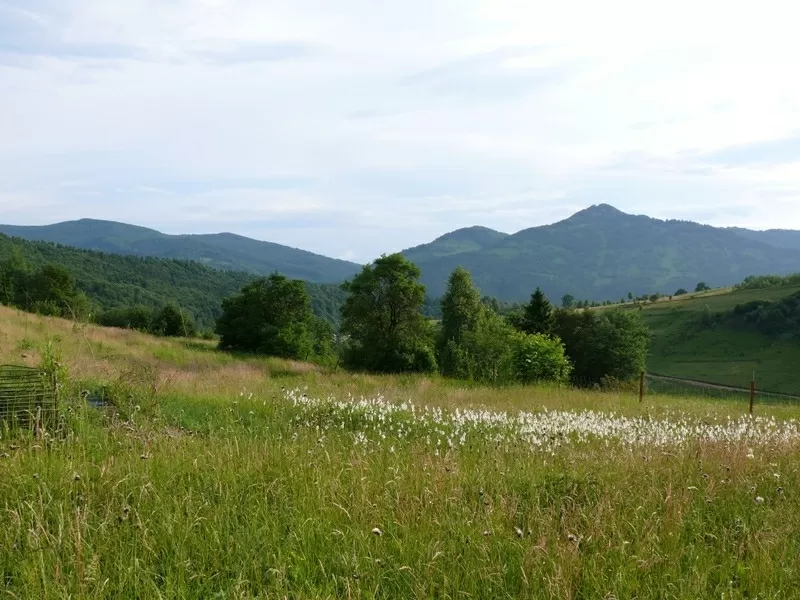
column 537, row 357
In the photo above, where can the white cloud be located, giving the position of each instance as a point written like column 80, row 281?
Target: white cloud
column 364, row 127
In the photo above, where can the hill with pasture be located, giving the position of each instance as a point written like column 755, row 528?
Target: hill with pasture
column 705, row 337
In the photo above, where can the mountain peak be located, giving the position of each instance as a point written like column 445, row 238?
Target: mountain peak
column 472, row 232
column 600, row 210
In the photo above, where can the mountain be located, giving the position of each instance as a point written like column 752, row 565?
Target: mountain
column 115, row 281
column 469, row 239
column 221, row 250
column 602, row 253
column 599, row 253
column 780, row 238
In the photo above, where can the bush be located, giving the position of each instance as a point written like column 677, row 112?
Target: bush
column 611, row 344
column 538, row 357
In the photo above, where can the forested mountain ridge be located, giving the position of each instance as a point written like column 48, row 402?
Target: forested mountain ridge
column 780, row 238
column 118, row 281
column 599, row 253
column 603, row 253
column 460, row 241
column 219, row 250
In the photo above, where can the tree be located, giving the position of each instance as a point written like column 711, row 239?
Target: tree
column 538, row 314
column 51, row 291
column 702, row 287
column 603, row 346
column 272, row 316
column 171, row 321
column 567, row 300
column 137, row 317
column 381, row 316
column 681, row 292
column 630, row 295
column 461, row 305
column 14, row 273
column 461, row 308
column 537, row 358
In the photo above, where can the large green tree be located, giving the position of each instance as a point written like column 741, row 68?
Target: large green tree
column 382, row 319
column 537, row 316
column 611, row 345
column 271, row 315
column 461, row 308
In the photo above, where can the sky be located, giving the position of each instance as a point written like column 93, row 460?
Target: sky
column 358, row 127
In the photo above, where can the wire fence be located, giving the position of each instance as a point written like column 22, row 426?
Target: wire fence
column 28, row 397
column 666, row 384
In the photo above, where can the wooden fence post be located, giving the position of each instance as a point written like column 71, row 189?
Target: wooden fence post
column 752, row 392
column 641, row 388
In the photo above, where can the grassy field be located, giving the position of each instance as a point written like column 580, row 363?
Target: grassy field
column 723, row 354
column 212, row 476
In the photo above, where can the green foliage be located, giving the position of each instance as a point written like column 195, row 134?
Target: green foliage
column 779, row 319
column 138, row 317
column 681, row 292
column 602, row 253
column 112, row 281
column 273, row 316
column 537, row 358
column 220, row 251
column 50, row 290
column 702, row 287
column 461, row 308
column 761, row 282
column 171, row 321
column 537, row 316
column 476, row 344
column 484, row 354
column 473, row 342
column 611, row 344
column 727, row 349
column 382, row 320
column 567, row 301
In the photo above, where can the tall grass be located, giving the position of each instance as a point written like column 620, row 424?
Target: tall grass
column 204, row 479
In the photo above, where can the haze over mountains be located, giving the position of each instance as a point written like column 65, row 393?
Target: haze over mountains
column 598, row 253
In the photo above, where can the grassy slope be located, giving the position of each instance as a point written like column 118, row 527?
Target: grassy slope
column 725, row 354
column 212, row 487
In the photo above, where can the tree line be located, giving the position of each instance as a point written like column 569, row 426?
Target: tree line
column 383, row 329
column 382, row 324
column 51, row 291
column 117, row 283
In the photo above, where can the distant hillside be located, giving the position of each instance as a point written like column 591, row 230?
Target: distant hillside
column 602, row 253
column 599, row 253
column 113, row 280
column 696, row 337
column 221, row 250
column 469, row 239
column 780, row 238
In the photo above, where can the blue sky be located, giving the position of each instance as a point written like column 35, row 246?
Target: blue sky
column 360, row 127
